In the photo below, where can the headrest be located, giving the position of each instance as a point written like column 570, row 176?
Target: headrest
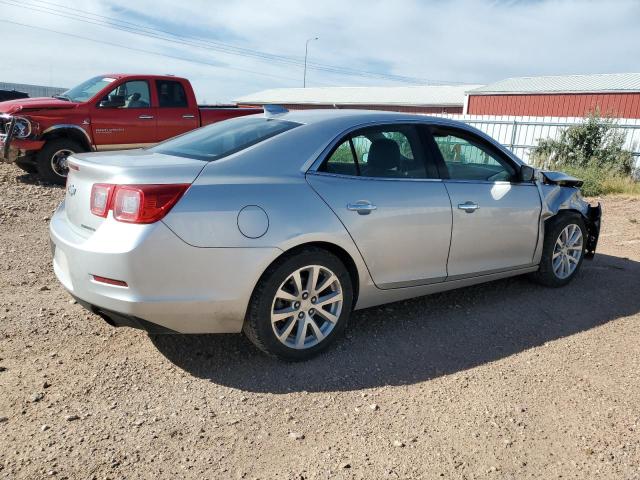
column 384, row 154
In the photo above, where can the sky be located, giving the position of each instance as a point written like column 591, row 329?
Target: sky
column 233, row 48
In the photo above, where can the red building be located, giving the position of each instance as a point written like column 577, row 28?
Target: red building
column 616, row 95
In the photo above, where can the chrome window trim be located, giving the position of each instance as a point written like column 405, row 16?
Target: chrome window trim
column 315, row 164
column 312, row 165
column 382, row 179
column 488, row 182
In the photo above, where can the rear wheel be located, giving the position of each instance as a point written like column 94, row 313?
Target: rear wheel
column 300, row 306
column 52, row 159
column 563, row 250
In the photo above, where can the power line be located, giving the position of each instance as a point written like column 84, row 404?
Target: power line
column 146, row 51
column 137, row 29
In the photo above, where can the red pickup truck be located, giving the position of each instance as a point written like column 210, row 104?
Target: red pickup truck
column 108, row 112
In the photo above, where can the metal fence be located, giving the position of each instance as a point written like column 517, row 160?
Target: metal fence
column 521, row 134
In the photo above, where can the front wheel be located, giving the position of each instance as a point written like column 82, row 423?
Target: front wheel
column 52, row 159
column 301, row 305
column 563, row 250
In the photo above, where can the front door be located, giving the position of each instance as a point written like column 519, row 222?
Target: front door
column 125, row 118
column 378, row 183
column 495, row 216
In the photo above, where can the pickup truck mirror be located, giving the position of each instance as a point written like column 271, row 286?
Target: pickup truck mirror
column 527, row 173
column 112, row 102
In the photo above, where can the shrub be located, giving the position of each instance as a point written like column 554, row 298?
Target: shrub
column 602, row 182
column 593, row 145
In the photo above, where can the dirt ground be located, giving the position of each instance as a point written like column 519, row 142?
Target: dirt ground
column 505, row 380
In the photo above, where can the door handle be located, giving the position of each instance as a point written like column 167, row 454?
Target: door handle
column 146, row 117
column 188, row 116
column 468, row 207
column 363, row 207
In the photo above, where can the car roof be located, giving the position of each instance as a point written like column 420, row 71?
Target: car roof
column 145, row 75
column 347, row 115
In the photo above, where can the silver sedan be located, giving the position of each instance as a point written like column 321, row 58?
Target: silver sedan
column 281, row 225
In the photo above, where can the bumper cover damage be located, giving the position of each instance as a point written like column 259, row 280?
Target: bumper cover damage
column 5, row 142
column 593, row 221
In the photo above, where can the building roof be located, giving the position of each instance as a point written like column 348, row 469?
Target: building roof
column 32, row 90
column 428, row 95
column 598, row 83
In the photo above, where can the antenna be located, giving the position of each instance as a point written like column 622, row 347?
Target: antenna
column 273, row 110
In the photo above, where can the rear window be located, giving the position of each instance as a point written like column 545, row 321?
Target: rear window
column 223, row 138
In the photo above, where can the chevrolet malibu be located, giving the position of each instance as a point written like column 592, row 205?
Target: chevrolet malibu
column 280, row 225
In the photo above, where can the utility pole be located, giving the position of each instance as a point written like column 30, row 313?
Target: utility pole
column 306, row 52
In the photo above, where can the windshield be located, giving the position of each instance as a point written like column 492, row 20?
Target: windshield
column 223, row 138
column 86, row 90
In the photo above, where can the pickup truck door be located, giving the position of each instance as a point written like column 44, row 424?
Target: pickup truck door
column 125, row 118
column 495, row 216
column 177, row 111
column 393, row 206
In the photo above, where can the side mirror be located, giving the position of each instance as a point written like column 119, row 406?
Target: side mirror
column 112, row 102
column 527, row 173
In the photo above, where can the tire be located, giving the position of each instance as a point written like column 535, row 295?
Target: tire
column 51, row 154
column 555, row 227
column 306, row 332
column 27, row 167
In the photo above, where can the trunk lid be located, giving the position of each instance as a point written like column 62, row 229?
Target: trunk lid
column 119, row 168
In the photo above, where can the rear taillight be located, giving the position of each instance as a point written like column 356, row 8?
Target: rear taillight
column 136, row 203
column 101, row 198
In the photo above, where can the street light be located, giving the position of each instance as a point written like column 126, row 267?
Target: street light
column 306, row 52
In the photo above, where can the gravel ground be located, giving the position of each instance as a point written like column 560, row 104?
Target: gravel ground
column 504, row 380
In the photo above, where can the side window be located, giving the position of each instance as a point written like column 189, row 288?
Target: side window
column 171, row 94
column 467, row 159
column 341, row 160
column 381, row 152
column 134, row 94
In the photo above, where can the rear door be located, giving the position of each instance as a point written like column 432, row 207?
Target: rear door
column 125, row 117
column 495, row 216
column 377, row 181
column 175, row 115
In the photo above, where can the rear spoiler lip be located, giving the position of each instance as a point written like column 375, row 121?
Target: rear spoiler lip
column 560, row 178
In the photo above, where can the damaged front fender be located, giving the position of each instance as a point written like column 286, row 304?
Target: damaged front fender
column 558, row 192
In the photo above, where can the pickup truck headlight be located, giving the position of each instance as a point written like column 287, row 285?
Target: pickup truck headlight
column 22, row 127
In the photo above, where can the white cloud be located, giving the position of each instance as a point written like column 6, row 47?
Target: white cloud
column 460, row 41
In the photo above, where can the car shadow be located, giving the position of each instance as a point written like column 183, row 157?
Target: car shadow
column 34, row 179
column 423, row 338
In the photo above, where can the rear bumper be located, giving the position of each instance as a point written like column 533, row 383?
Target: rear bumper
column 171, row 286
column 116, row 319
column 594, row 217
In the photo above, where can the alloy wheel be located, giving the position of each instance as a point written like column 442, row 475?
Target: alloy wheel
column 567, row 251
column 306, row 307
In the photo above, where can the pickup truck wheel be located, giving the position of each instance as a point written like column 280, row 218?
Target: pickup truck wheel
column 27, row 167
column 52, row 159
